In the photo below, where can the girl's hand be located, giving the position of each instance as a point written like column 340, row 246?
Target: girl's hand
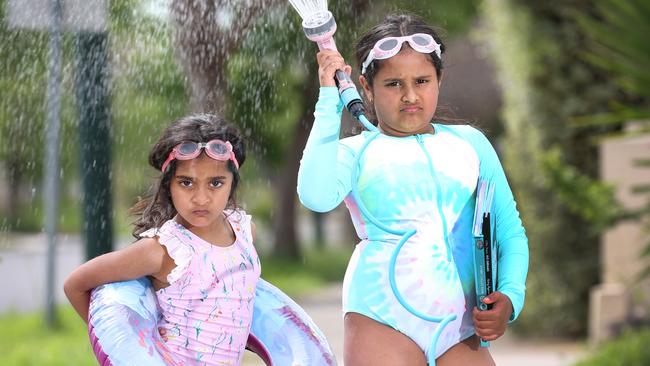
column 328, row 62
column 491, row 324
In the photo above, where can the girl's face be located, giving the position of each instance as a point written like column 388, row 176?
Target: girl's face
column 200, row 190
column 404, row 93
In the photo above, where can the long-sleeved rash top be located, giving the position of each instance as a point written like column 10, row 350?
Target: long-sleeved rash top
column 425, row 182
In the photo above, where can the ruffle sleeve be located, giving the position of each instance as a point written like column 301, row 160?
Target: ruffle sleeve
column 172, row 236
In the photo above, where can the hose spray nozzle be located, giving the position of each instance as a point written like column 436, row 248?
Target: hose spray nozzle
column 320, row 28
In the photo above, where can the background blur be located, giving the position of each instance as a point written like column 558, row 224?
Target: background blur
column 561, row 88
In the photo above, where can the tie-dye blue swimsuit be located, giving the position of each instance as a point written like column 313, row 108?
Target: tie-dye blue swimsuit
column 425, row 182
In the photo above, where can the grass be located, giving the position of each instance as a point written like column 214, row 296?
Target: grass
column 25, row 341
column 630, row 349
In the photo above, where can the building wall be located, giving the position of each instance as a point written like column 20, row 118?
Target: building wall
column 621, row 298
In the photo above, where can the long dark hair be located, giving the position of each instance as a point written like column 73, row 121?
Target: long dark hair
column 156, row 209
column 397, row 25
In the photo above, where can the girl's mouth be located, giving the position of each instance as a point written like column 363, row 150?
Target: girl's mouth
column 201, row 213
column 410, row 109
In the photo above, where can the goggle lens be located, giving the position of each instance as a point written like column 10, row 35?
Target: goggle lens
column 421, row 40
column 188, row 148
column 388, row 44
column 218, row 148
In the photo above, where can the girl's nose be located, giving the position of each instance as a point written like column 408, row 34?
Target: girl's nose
column 409, row 96
column 200, row 197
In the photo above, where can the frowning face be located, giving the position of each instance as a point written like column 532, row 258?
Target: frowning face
column 200, row 190
column 404, row 93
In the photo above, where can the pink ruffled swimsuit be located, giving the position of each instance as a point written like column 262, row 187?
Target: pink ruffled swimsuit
column 208, row 307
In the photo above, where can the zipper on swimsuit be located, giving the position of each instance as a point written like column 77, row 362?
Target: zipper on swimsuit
column 420, row 141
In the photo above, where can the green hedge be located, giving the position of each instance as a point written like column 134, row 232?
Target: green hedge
column 535, row 48
column 631, row 349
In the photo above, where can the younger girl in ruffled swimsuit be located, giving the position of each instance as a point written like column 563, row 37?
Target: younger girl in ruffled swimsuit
column 416, row 174
column 195, row 245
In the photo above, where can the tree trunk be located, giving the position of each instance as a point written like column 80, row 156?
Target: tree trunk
column 205, row 33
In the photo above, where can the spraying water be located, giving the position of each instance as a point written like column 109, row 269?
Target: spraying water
column 308, row 8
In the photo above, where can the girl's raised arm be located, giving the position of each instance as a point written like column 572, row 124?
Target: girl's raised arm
column 324, row 174
column 142, row 258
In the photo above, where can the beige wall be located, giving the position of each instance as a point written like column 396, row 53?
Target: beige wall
column 621, row 244
column 621, row 298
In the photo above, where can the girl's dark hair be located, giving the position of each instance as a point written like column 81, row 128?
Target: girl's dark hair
column 155, row 210
column 397, row 25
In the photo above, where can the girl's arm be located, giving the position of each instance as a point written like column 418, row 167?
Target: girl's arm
column 324, row 174
column 512, row 261
column 142, row 258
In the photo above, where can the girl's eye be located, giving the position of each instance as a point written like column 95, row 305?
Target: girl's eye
column 185, row 182
column 216, row 183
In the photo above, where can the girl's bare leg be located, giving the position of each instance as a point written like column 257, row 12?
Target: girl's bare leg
column 467, row 352
column 367, row 342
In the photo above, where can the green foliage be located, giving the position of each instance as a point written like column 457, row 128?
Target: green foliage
column 264, row 79
column 29, row 218
column 617, row 41
column 630, row 349
column 23, row 66
column 148, row 93
column 616, row 34
column 453, row 17
column 580, row 194
column 536, row 48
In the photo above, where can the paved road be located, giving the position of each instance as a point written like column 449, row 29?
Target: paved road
column 22, row 278
column 23, row 269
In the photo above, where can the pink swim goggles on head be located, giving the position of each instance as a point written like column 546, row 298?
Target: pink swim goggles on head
column 216, row 149
column 390, row 46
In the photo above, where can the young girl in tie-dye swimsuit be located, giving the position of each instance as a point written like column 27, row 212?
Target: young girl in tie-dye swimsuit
column 195, row 245
column 416, row 174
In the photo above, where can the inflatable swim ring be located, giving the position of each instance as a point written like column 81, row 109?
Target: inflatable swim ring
column 122, row 325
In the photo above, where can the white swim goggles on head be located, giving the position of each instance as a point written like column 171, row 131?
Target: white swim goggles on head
column 390, row 46
column 216, row 149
